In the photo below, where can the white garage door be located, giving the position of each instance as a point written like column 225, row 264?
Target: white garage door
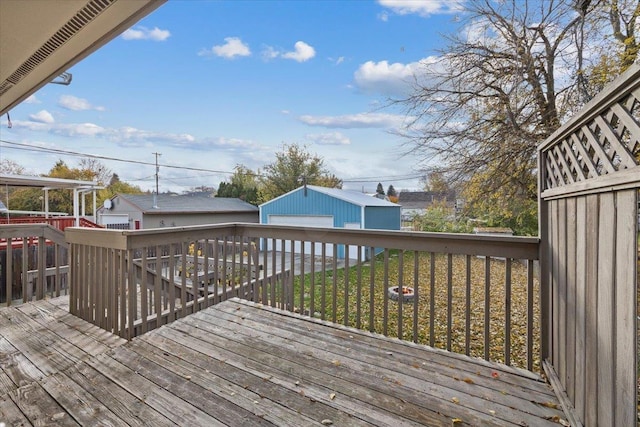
column 301, row 221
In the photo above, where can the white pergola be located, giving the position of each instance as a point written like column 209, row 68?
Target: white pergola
column 79, row 188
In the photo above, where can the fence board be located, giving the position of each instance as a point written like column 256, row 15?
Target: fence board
column 580, row 286
column 625, row 305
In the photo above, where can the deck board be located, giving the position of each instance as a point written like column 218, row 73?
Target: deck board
column 240, row 363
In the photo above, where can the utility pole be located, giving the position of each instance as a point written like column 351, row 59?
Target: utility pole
column 155, row 198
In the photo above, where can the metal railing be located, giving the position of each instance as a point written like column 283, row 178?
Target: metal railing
column 476, row 295
column 33, row 263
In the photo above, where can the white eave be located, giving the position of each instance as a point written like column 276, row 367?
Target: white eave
column 41, row 39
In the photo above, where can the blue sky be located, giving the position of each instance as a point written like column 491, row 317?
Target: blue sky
column 210, row 85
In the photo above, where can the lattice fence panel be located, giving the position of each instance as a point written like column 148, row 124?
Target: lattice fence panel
column 607, row 143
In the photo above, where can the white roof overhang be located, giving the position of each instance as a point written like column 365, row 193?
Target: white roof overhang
column 41, row 39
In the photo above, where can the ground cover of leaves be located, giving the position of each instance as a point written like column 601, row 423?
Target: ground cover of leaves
column 446, row 325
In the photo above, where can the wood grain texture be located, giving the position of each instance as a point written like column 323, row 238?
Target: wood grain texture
column 240, row 363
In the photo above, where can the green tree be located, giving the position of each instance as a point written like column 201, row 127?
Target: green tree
column 380, row 190
column 392, row 194
column 293, row 167
column 243, row 185
column 116, row 186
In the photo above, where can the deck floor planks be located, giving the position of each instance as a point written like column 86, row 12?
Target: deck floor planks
column 425, row 363
column 242, row 364
column 119, row 401
column 273, row 371
column 213, row 374
column 182, row 386
column 10, row 414
column 347, row 384
column 83, row 407
column 381, row 367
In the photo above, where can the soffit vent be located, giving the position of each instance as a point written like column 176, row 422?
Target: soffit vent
column 5, row 86
column 85, row 15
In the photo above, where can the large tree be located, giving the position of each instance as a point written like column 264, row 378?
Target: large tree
column 294, row 166
column 243, row 184
column 504, row 83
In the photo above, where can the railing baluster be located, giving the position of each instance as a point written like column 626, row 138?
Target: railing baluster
column 133, row 295
column 385, row 299
column 312, row 274
column 530, row 320
column 216, row 270
column 171, row 285
column 122, row 261
column 285, row 279
column 346, row 285
column 334, row 283
column 449, row 299
column 487, row 307
column 359, row 289
column 26, row 288
column 416, row 294
column 323, row 286
column 158, row 288
column 9, row 272
column 372, row 289
column 467, row 326
column 301, row 277
column 290, row 289
column 400, row 285
column 144, row 310
column 507, row 312
column 273, row 279
column 183, row 279
column 205, row 254
column 432, row 299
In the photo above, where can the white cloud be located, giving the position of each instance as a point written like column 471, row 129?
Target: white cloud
column 74, row 103
column 333, row 138
column 422, row 7
column 303, row 52
column 385, row 78
column 32, row 100
column 362, row 120
column 42, row 116
column 144, row 33
column 383, row 16
column 338, row 60
column 395, row 79
column 232, row 48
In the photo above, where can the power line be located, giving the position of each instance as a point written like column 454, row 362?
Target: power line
column 27, row 147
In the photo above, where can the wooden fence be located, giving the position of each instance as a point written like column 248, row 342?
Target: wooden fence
column 589, row 180
column 33, row 262
column 471, row 294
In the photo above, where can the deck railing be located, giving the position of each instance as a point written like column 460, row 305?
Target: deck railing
column 476, row 295
column 33, row 263
column 56, row 222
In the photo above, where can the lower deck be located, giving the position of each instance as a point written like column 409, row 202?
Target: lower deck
column 239, row 363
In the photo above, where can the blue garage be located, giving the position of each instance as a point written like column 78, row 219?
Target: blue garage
column 313, row 206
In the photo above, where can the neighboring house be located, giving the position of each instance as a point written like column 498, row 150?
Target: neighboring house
column 417, row 202
column 314, row 206
column 140, row 211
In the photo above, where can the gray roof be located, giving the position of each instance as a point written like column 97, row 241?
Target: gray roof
column 187, row 204
column 357, row 198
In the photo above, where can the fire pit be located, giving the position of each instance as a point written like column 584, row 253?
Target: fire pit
column 403, row 293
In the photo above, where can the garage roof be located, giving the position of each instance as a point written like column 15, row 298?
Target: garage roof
column 41, row 39
column 354, row 197
column 186, row 204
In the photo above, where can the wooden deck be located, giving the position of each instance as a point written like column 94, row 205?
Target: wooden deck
column 242, row 364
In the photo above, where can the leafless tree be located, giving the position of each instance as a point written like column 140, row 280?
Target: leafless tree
column 501, row 86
